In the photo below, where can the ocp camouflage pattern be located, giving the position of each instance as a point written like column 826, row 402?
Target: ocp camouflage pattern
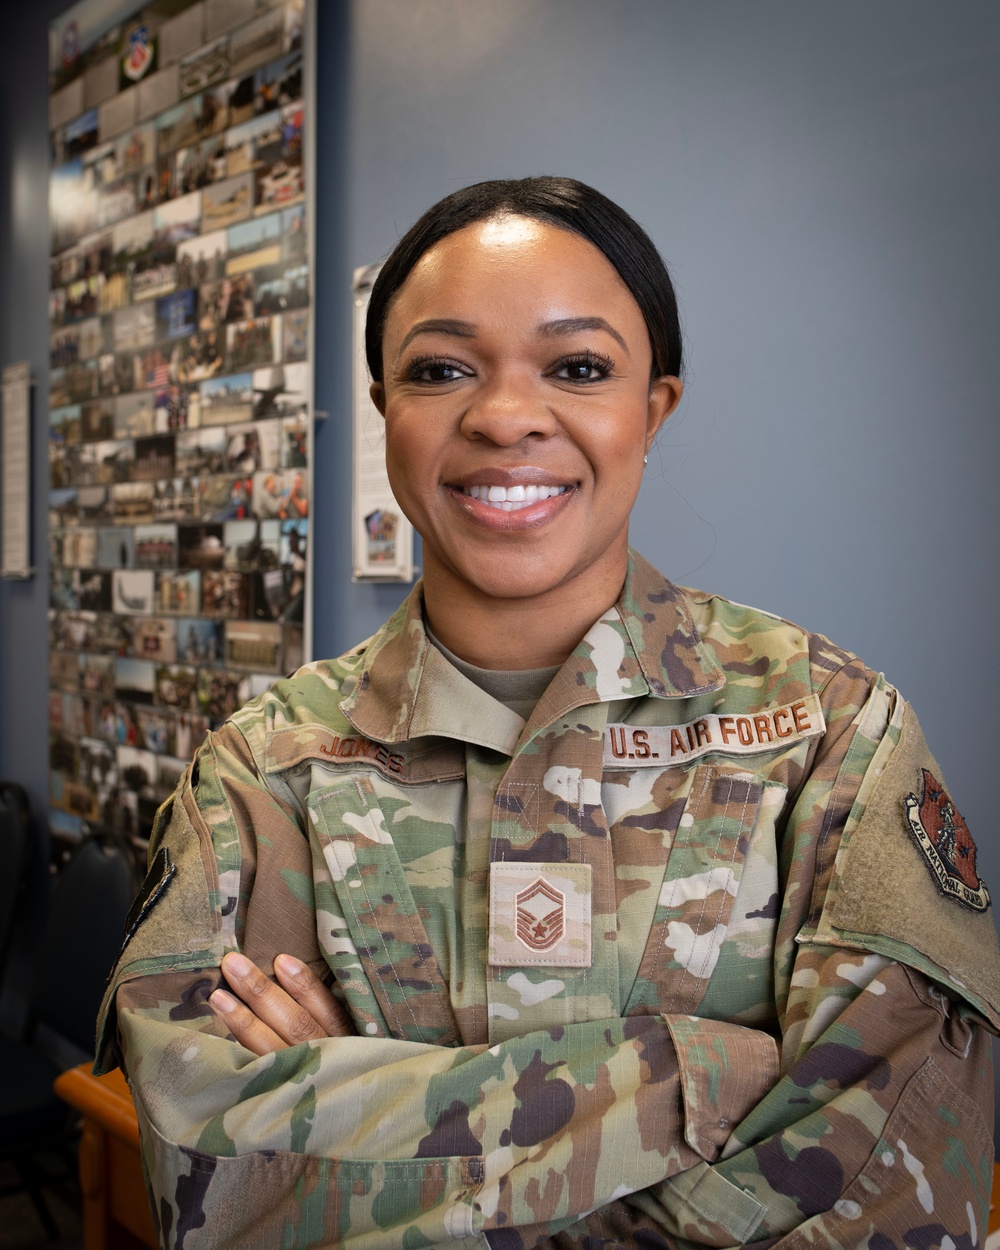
column 751, row 1020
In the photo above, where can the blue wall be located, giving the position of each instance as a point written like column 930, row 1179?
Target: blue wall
column 824, row 181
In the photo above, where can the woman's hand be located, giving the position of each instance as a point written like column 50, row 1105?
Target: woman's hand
column 271, row 1017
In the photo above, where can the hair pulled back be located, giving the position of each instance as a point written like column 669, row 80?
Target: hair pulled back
column 562, row 202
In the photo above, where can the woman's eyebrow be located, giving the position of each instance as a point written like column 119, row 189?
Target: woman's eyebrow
column 571, row 325
column 437, row 325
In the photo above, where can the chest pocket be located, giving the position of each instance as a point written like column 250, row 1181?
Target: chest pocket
column 698, row 891
column 369, row 926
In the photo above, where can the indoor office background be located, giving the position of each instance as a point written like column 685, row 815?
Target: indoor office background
column 824, row 181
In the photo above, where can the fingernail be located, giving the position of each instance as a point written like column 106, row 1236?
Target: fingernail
column 222, row 1001
column 289, row 965
column 238, row 965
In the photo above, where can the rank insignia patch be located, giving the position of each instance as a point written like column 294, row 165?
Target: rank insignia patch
column 944, row 837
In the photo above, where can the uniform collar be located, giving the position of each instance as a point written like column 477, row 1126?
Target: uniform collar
column 647, row 644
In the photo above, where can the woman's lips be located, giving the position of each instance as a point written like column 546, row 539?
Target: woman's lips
column 513, row 498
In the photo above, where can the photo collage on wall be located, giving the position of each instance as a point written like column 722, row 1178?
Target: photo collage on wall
column 180, row 395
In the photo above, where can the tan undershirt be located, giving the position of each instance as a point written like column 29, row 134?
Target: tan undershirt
column 517, row 688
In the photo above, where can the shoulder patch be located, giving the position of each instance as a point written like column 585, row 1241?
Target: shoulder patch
column 943, row 836
column 891, row 899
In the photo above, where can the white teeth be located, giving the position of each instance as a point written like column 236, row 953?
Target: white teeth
column 511, row 498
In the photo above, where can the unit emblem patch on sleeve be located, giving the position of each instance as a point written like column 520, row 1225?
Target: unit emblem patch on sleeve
column 943, row 836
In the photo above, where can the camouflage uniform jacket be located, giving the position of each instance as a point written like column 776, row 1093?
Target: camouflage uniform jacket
column 697, row 956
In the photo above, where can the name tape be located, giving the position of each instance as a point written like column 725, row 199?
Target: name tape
column 654, row 746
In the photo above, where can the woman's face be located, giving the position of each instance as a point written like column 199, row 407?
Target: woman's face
column 518, row 409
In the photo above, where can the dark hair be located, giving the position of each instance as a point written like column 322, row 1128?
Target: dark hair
column 561, row 202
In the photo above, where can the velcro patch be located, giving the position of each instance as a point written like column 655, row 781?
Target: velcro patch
column 540, row 915
column 656, row 746
column 941, row 833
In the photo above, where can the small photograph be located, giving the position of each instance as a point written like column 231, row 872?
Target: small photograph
column 278, row 83
column 64, row 346
column 224, row 498
column 254, row 644
column 72, row 204
column 98, row 419
column 283, row 495
column 226, row 104
column 254, row 143
column 112, row 461
column 155, row 729
column 176, row 685
column 251, row 344
column 155, row 546
column 58, row 388
column 137, row 769
column 200, row 452
column 79, row 548
column 212, row 298
column 134, row 679
column 132, row 592
column 115, row 547
column 189, row 733
column 284, row 290
column 126, row 730
column 93, row 505
column 179, row 593
column 107, row 375
column 237, row 298
column 199, row 356
column 132, row 503
column 296, row 328
column 115, row 203
column 226, row 203
column 253, row 446
column 294, row 442
column 199, row 166
column 154, row 279
column 102, row 713
column 293, row 229
column 64, row 670
column 241, row 542
column 96, row 675
column 209, row 65
column 154, row 458
column 94, row 591
column 63, row 593
column 254, row 244
column 381, row 527
column 225, row 594
column 113, row 292
column 199, row 641
column 199, row 547
column 134, row 151
column 262, row 39
column 180, row 125
column 176, row 408
column 131, row 242
column 63, row 507
column 176, row 499
column 57, row 307
column 176, row 222
column 133, row 328
column 98, row 766
column 292, row 555
column 153, row 638
column 278, row 184
column 80, row 381
column 176, row 314
column 133, row 416
column 218, row 693
column 110, row 636
column 202, row 259
column 225, row 401
column 75, row 631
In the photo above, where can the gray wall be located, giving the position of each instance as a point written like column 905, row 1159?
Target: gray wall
column 824, row 181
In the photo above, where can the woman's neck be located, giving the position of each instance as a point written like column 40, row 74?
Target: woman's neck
column 517, row 632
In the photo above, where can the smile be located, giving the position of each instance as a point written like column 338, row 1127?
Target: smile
column 512, row 498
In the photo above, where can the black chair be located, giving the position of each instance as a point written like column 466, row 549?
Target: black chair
column 15, row 855
column 83, row 932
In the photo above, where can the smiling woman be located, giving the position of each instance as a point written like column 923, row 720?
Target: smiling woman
column 573, row 909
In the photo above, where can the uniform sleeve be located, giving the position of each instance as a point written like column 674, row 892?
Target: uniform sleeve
column 371, row 1141
column 879, row 1132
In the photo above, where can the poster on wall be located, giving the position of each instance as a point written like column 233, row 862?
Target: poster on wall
column 180, row 396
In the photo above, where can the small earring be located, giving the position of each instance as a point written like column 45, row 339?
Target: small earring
column 645, row 460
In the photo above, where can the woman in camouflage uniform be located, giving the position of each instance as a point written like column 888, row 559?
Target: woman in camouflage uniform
column 649, row 920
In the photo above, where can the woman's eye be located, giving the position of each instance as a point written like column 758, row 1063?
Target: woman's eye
column 586, row 368
column 434, row 371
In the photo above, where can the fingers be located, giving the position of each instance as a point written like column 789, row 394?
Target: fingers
column 268, row 1018
column 309, row 992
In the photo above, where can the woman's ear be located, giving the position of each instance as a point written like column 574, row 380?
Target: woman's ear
column 664, row 396
column 377, row 392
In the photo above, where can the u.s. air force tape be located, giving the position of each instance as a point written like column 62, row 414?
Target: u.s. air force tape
column 653, row 746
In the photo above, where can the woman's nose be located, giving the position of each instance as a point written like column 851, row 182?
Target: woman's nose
column 506, row 411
